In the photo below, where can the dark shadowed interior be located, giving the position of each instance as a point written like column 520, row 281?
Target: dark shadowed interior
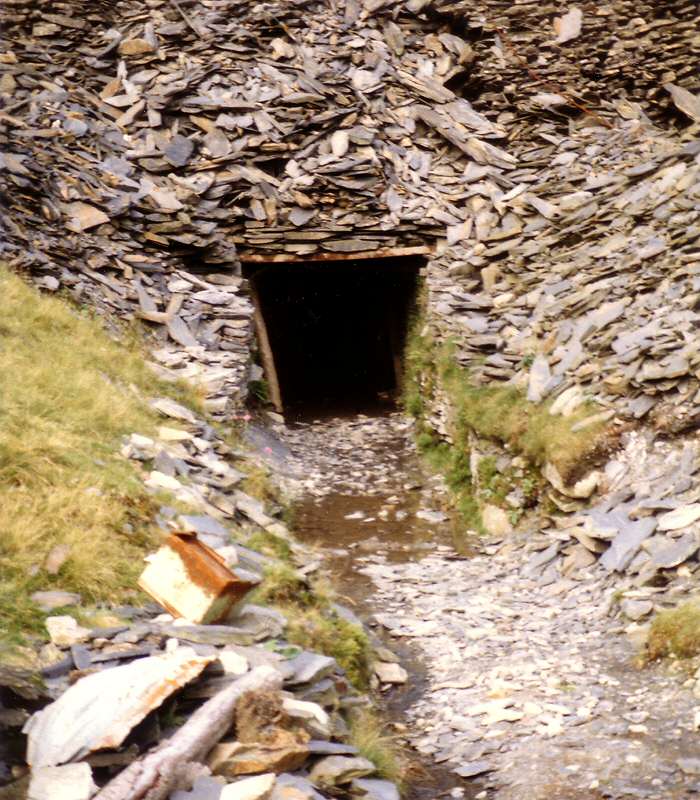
column 336, row 329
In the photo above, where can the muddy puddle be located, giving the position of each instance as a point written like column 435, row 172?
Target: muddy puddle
column 366, row 500
column 332, row 525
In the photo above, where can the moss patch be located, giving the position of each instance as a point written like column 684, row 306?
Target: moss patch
column 257, row 482
column 313, row 623
column 502, row 413
column 675, row 632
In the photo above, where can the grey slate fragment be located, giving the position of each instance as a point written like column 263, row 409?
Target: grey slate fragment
column 334, row 771
column 310, row 667
column 81, row 656
column 375, row 789
column 179, row 150
column 625, row 546
column 320, row 747
column 636, row 609
column 540, row 376
column 169, row 408
column 180, row 332
column 202, row 789
column 202, row 523
column 540, row 560
column 250, row 625
column 100, row 656
column 676, row 553
column 473, row 768
column 300, row 784
column 58, row 669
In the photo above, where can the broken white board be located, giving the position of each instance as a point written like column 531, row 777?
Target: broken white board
column 100, row 710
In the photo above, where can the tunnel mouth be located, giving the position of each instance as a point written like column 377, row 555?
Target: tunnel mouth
column 331, row 334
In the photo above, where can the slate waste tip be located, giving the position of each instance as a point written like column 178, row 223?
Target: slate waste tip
column 199, row 694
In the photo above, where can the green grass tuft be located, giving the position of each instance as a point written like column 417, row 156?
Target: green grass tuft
column 325, row 632
column 285, row 587
column 258, row 482
column 675, row 632
column 269, row 544
column 496, row 412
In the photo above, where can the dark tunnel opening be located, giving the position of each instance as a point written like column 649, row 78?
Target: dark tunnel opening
column 332, row 333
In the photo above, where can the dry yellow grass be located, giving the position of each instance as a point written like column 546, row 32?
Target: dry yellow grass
column 68, row 396
column 368, row 734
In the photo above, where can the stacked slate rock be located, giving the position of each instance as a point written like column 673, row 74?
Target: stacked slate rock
column 589, row 53
column 145, row 148
column 580, row 270
column 644, row 527
column 144, row 143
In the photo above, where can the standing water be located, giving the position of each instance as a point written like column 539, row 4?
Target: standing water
column 365, row 500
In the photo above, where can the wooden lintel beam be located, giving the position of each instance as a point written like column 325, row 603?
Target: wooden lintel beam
column 385, row 252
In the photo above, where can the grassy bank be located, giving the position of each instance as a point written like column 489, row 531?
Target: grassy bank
column 495, row 412
column 73, row 512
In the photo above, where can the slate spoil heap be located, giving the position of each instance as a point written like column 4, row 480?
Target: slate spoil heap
column 545, row 155
column 145, row 146
column 160, row 706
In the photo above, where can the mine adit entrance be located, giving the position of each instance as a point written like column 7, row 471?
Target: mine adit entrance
column 331, row 332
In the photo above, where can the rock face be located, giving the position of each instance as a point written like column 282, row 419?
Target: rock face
column 339, row 770
column 149, row 152
column 186, row 182
column 257, row 788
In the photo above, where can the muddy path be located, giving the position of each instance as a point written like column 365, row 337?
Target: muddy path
column 521, row 687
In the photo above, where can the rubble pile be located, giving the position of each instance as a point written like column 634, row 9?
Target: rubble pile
column 557, row 58
column 642, row 528
column 575, row 251
column 571, row 265
column 97, row 690
column 147, row 146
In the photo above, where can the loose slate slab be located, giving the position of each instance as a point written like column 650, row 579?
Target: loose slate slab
column 680, row 550
column 339, row 770
column 67, row 782
column 374, row 789
column 310, row 667
column 100, row 710
column 473, row 768
column 680, row 517
column 625, row 546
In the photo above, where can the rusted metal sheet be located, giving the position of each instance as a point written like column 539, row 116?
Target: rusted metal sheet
column 101, row 709
column 192, row 581
column 386, row 252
